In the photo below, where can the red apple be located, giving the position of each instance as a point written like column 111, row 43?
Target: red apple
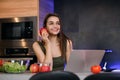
column 42, row 29
column 34, row 68
column 44, row 68
column 95, row 69
column 40, row 65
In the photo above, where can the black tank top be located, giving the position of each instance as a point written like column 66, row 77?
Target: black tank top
column 58, row 62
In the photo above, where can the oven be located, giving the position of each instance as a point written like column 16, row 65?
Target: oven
column 17, row 35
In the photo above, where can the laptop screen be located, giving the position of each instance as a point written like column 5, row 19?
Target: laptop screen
column 110, row 61
column 82, row 60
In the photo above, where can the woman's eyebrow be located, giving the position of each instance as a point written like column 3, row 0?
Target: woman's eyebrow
column 50, row 21
column 53, row 21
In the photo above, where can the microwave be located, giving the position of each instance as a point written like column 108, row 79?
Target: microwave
column 18, row 33
column 16, row 28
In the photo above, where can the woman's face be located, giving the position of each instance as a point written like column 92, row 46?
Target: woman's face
column 53, row 25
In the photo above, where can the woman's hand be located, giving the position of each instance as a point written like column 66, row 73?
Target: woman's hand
column 44, row 36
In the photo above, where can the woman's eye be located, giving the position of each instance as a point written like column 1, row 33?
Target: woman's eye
column 50, row 23
column 58, row 23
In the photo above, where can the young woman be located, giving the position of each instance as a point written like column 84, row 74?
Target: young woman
column 54, row 48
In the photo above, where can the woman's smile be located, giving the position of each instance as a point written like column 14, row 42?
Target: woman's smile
column 56, row 30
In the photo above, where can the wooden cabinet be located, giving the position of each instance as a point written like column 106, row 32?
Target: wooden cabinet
column 18, row 8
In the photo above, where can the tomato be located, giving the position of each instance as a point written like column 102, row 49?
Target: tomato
column 95, row 69
column 44, row 68
column 42, row 29
column 34, row 68
column 1, row 62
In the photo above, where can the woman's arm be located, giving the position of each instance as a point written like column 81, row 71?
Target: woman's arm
column 41, row 56
column 69, row 49
column 38, row 52
column 45, row 58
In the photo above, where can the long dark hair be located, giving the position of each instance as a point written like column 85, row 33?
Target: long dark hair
column 62, row 37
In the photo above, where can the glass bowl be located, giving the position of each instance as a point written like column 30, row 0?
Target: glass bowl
column 15, row 66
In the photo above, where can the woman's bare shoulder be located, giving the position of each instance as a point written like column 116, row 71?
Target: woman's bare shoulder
column 36, row 43
column 69, row 44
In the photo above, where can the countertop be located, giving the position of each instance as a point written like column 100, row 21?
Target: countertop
column 19, row 76
column 27, row 75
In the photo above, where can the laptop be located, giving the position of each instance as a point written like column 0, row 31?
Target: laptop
column 110, row 61
column 82, row 60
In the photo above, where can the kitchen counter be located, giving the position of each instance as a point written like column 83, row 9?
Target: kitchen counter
column 27, row 75
column 20, row 76
column 83, row 75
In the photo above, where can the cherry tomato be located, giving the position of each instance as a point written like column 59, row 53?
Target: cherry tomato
column 95, row 69
column 34, row 68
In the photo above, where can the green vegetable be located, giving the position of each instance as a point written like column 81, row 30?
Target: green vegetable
column 1, row 69
column 14, row 67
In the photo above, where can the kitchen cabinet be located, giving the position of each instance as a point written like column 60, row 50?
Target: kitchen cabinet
column 18, row 8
